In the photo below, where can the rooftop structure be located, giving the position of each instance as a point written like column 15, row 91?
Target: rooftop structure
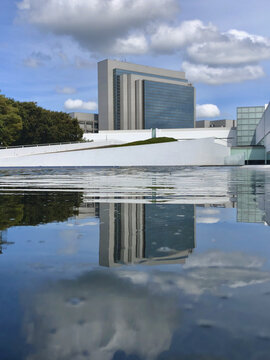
column 134, row 96
column 216, row 123
column 88, row 122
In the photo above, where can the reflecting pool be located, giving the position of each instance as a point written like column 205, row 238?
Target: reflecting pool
column 145, row 263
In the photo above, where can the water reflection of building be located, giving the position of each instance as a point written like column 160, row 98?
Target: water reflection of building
column 87, row 210
column 146, row 233
column 251, row 196
column 3, row 241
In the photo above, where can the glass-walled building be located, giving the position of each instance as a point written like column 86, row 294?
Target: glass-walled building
column 167, row 106
column 134, row 96
column 248, row 118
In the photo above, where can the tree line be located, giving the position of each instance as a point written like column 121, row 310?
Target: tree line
column 38, row 208
column 25, row 123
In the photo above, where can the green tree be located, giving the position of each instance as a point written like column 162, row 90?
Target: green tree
column 42, row 126
column 10, row 121
column 25, row 123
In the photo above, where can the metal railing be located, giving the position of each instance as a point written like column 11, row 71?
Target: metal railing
column 39, row 145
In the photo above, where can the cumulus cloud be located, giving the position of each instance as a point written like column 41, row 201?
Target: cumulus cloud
column 207, row 220
column 138, row 312
column 216, row 258
column 205, row 44
column 65, row 90
column 208, row 272
column 97, row 24
column 207, row 110
column 79, row 104
column 134, row 44
column 170, row 39
column 221, row 75
column 98, row 314
column 212, row 56
column 136, row 27
column 229, row 51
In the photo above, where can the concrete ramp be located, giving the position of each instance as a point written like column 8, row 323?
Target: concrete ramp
column 201, row 152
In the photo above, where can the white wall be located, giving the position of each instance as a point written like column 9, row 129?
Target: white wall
column 263, row 128
column 46, row 149
column 226, row 135
column 180, row 153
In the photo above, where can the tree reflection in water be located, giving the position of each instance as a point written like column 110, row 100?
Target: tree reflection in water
column 38, row 208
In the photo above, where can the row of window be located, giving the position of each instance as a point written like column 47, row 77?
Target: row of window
column 247, row 125
column 251, row 127
column 250, row 109
column 167, row 124
column 245, row 142
column 119, row 72
column 249, row 116
column 171, row 109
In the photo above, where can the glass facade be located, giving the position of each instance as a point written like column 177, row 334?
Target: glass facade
column 169, row 229
column 165, row 105
column 247, row 120
column 168, row 106
column 248, row 209
column 160, row 231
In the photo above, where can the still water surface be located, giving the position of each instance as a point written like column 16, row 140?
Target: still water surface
column 161, row 263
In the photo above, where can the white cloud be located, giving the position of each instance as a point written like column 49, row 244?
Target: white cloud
column 208, row 272
column 65, row 90
column 207, row 220
column 78, row 104
column 228, row 51
column 207, row 110
column 216, row 258
column 99, row 325
column 212, row 56
column 97, row 24
column 221, row 75
column 205, row 44
column 134, row 44
column 242, row 35
column 136, row 27
column 169, row 39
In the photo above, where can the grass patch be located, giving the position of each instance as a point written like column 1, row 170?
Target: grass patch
column 134, row 143
column 146, row 142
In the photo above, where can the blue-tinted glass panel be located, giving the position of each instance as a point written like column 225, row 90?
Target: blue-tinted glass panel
column 169, row 230
column 116, row 90
column 168, row 106
column 247, row 120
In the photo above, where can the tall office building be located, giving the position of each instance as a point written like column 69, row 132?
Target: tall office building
column 134, row 96
column 146, row 234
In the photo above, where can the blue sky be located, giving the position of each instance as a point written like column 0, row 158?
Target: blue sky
column 49, row 49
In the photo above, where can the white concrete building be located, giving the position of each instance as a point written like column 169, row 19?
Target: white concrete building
column 263, row 130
